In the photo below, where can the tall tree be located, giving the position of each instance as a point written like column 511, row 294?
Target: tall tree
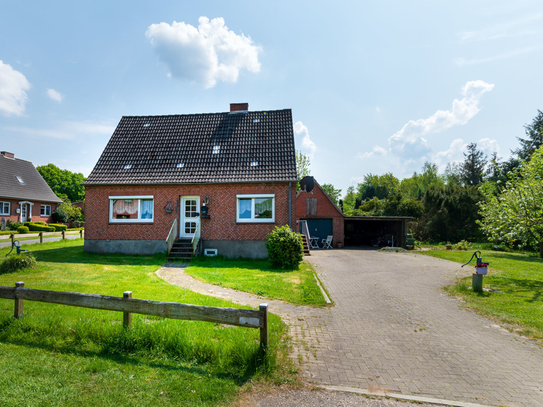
column 63, row 182
column 332, row 192
column 534, row 139
column 302, row 166
column 378, row 185
column 349, row 201
column 472, row 170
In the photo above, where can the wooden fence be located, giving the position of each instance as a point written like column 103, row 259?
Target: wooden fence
column 63, row 233
column 128, row 305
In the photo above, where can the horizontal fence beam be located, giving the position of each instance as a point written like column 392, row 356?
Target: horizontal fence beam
column 230, row 316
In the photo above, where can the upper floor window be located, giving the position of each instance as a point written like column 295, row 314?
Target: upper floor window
column 5, row 208
column 255, row 208
column 131, row 208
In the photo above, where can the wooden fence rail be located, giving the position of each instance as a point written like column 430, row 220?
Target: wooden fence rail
column 128, row 305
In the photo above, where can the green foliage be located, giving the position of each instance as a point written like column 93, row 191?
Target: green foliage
column 17, row 262
column 302, row 166
column 38, row 227
column 463, row 245
column 57, row 227
column 60, row 215
column 63, row 182
column 516, row 211
column 11, row 225
column 285, row 247
column 534, row 140
column 23, row 229
column 416, row 186
column 379, row 186
column 332, row 192
column 472, row 170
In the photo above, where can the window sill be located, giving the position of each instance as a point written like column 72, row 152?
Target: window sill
column 131, row 223
column 252, row 222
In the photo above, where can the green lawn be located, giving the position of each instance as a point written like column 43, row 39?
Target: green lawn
column 68, row 356
column 260, row 278
column 518, row 279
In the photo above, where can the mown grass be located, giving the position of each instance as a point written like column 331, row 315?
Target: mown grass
column 67, row 356
column 297, row 286
column 516, row 281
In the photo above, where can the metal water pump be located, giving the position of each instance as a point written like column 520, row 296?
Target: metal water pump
column 480, row 270
column 16, row 245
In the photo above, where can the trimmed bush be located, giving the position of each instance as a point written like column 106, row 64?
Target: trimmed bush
column 17, row 262
column 285, row 247
column 6, row 232
column 34, row 227
column 40, row 223
column 58, row 227
column 23, row 229
column 11, row 225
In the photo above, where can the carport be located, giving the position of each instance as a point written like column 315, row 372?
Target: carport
column 376, row 231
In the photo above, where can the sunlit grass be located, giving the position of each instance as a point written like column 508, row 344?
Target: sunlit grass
column 68, row 356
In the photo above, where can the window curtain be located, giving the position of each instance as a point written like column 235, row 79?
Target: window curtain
column 146, row 209
column 245, row 208
column 263, row 208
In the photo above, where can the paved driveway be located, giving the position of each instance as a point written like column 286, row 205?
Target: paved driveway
column 393, row 328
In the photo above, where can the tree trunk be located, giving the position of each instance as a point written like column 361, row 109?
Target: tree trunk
column 541, row 249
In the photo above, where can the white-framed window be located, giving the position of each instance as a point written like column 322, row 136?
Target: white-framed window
column 5, row 208
column 128, row 209
column 45, row 210
column 255, row 208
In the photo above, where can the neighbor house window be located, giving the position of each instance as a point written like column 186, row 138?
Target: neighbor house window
column 131, row 208
column 5, row 208
column 45, row 210
column 256, row 208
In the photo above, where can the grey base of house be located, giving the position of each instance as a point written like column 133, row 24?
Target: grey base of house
column 144, row 247
column 252, row 249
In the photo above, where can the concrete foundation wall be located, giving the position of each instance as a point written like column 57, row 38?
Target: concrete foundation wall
column 143, row 247
column 253, row 249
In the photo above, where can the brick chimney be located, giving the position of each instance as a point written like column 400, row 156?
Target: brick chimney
column 6, row 154
column 239, row 107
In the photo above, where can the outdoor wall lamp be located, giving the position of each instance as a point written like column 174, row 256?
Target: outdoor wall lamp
column 206, row 200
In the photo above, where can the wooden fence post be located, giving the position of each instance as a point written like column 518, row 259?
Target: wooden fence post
column 63, row 235
column 127, row 316
column 19, row 304
column 81, row 234
column 264, row 336
column 41, row 237
column 12, row 237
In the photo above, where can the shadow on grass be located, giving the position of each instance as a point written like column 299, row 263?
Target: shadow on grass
column 515, row 285
column 517, row 257
column 239, row 263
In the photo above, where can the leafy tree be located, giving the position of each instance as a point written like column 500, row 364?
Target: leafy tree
column 516, row 212
column 534, row 133
column 349, row 201
column 302, row 166
column 332, row 192
column 378, row 185
column 472, row 170
column 416, row 186
column 66, row 212
column 452, row 174
column 63, row 182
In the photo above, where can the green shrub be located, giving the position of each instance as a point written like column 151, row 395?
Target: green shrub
column 60, row 215
column 285, row 247
column 58, row 227
column 11, row 225
column 40, row 223
column 463, row 245
column 17, row 262
column 23, row 229
column 34, row 227
column 6, row 232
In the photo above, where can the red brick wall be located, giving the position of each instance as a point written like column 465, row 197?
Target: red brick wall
column 325, row 210
column 222, row 224
column 36, row 210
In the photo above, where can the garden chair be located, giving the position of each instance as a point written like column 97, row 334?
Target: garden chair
column 327, row 243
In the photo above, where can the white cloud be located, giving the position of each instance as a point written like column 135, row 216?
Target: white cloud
column 409, row 143
column 13, row 85
column 507, row 29
column 66, row 130
column 54, row 95
column 488, row 146
column 476, row 61
column 377, row 151
column 452, row 155
column 308, row 146
column 205, row 54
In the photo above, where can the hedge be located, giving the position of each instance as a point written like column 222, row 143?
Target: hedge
column 39, row 228
column 58, row 227
column 6, row 232
column 22, row 229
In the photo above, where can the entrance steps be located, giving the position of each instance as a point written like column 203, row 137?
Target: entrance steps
column 306, row 246
column 181, row 250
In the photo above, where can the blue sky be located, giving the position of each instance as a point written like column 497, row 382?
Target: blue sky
column 374, row 87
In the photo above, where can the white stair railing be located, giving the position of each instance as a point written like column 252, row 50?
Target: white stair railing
column 172, row 235
column 304, row 230
column 196, row 238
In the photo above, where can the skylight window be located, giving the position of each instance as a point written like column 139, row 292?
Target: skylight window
column 180, row 165
column 19, row 179
column 256, row 120
column 216, row 149
column 254, row 163
column 127, row 166
column 146, row 125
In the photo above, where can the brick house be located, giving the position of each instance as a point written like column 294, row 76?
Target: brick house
column 321, row 213
column 24, row 194
column 228, row 177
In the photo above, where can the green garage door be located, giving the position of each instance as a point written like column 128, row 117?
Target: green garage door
column 320, row 228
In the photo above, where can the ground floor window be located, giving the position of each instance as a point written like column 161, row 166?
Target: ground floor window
column 5, row 208
column 45, row 210
column 131, row 208
column 256, row 208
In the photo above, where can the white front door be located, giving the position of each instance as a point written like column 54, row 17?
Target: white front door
column 190, row 216
column 23, row 212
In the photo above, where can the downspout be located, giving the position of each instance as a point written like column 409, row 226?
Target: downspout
column 289, row 204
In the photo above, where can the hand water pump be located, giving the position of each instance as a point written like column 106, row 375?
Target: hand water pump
column 480, row 270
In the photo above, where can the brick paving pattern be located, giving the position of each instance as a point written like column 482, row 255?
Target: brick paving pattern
column 393, row 329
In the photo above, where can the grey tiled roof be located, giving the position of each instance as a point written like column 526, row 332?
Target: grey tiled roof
column 33, row 188
column 253, row 146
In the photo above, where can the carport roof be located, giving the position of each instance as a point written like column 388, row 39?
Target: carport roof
column 401, row 218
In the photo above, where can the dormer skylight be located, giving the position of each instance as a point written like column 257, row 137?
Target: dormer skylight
column 254, row 163
column 127, row 166
column 180, row 165
column 19, row 179
column 216, row 149
column 146, row 125
column 256, row 120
